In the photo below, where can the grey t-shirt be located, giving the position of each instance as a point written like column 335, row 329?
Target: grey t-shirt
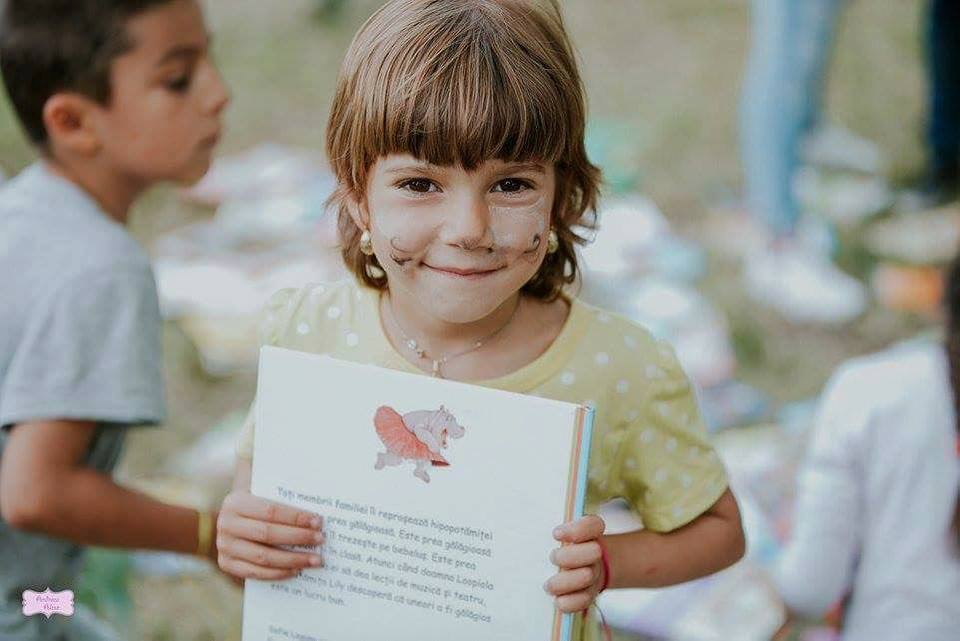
column 79, row 339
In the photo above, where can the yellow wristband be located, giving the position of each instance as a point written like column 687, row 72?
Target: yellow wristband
column 204, row 533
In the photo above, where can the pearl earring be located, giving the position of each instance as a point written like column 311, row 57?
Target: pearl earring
column 553, row 242
column 366, row 243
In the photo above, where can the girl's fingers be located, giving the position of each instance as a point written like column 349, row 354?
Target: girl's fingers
column 254, row 507
column 570, row 581
column 576, row 555
column 577, row 602
column 268, row 557
column 586, row 529
column 266, row 532
column 245, row 570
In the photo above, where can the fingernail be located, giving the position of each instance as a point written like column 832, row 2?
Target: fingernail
column 559, row 531
column 546, row 587
column 318, row 537
column 315, row 522
column 315, row 561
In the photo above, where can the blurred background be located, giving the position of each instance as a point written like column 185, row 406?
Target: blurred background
column 664, row 80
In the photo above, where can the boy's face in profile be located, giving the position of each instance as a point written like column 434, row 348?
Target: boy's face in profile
column 164, row 116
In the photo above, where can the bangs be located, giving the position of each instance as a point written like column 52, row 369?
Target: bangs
column 463, row 100
column 467, row 82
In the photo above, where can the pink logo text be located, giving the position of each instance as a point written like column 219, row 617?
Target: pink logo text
column 47, row 603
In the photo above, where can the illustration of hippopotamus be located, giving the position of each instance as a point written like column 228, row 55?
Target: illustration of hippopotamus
column 416, row 436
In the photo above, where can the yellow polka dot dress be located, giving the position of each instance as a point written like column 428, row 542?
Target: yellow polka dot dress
column 649, row 445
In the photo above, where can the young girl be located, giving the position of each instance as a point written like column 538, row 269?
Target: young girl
column 878, row 512
column 456, row 136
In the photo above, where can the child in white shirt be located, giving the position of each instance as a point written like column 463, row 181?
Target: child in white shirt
column 877, row 509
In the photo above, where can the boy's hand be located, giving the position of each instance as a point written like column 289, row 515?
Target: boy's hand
column 250, row 528
column 580, row 578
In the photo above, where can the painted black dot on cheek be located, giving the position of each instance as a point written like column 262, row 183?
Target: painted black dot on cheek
column 400, row 256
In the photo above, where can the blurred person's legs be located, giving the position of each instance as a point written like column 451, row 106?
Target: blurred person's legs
column 943, row 134
column 782, row 99
column 781, row 102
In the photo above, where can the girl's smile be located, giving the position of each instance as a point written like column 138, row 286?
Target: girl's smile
column 465, row 273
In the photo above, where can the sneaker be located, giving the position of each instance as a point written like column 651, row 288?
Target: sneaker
column 803, row 286
column 918, row 238
column 844, row 199
column 835, row 147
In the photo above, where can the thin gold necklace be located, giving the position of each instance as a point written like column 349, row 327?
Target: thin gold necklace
column 437, row 363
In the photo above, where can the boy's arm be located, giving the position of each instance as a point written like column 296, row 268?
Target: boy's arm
column 647, row 559
column 45, row 488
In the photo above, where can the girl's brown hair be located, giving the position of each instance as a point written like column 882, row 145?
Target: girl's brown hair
column 459, row 82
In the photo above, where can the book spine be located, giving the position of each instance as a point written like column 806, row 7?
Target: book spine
column 576, row 498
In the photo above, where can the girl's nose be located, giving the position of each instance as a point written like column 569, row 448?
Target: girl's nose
column 468, row 226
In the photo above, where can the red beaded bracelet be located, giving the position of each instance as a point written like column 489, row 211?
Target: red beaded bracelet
column 605, row 560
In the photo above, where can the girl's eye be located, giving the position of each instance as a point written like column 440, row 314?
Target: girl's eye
column 180, row 84
column 512, row 185
column 419, row 185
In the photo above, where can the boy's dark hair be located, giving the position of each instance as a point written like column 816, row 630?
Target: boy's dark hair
column 49, row 46
column 952, row 304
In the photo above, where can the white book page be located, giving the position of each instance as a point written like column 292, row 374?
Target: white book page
column 443, row 552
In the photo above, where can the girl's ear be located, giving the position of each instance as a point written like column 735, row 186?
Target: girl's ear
column 358, row 210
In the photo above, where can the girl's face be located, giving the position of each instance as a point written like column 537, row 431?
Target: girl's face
column 458, row 244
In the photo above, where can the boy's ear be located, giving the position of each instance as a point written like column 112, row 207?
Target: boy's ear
column 67, row 118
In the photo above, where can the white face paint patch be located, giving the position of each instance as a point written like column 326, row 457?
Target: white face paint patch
column 400, row 236
column 521, row 229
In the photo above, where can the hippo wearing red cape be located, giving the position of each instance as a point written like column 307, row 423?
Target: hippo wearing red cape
column 416, row 436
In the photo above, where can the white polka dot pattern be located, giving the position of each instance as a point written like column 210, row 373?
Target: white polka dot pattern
column 654, row 451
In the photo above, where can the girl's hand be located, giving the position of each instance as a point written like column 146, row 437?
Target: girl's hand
column 248, row 530
column 580, row 578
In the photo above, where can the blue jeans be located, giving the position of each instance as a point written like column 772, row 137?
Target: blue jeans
column 781, row 100
column 943, row 62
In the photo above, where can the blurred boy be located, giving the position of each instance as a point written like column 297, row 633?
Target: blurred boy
column 117, row 95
